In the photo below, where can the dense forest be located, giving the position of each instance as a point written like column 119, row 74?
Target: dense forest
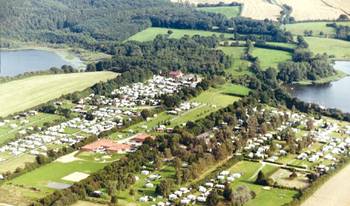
column 93, row 24
column 83, row 22
column 195, row 55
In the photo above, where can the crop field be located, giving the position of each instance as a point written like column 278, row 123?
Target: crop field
column 150, row 33
column 228, row 11
column 56, row 172
column 332, row 192
column 239, row 66
column 315, row 27
column 302, row 10
column 339, row 48
column 7, row 132
column 19, row 95
column 270, row 57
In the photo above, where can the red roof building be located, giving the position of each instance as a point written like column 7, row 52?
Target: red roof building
column 106, row 145
column 176, row 74
column 141, row 137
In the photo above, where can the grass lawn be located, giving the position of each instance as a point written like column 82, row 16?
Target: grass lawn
column 7, row 133
column 55, row 171
column 239, row 66
column 19, row 95
column 316, row 27
column 270, row 57
column 339, row 48
column 228, row 11
column 150, row 33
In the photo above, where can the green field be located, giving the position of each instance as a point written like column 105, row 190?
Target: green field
column 150, row 33
column 228, row 11
column 54, row 172
column 19, row 95
column 339, row 48
column 271, row 58
column 239, row 66
column 316, row 27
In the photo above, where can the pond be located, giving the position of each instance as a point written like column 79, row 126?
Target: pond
column 20, row 61
column 332, row 95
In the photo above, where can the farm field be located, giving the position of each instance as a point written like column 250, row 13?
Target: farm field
column 302, row 10
column 333, row 192
column 228, row 11
column 270, row 57
column 32, row 91
column 339, row 48
column 315, row 27
column 150, row 33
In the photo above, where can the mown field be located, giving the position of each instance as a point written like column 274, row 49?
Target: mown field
column 150, row 33
column 19, row 95
column 271, row 58
column 339, row 48
column 315, row 27
column 228, row 11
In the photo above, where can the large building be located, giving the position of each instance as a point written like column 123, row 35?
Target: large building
column 107, row 145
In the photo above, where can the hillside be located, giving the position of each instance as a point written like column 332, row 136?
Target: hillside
column 80, row 22
column 302, row 10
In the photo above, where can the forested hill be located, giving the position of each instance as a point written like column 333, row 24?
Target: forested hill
column 97, row 24
column 79, row 21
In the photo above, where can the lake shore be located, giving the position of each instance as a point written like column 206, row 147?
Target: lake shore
column 335, row 192
column 64, row 53
column 340, row 75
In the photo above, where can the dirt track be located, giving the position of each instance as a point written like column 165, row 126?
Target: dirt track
column 335, row 192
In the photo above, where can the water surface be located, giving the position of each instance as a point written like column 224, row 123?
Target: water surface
column 331, row 95
column 21, row 61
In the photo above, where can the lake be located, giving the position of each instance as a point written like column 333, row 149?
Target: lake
column 21, row 61
column 332, row 95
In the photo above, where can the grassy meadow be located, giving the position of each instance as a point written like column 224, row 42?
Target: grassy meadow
column 315, row 27
column 228, row 11
column 339, row 48
column 270, row 57
column 19, row 95
column 150, row 33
